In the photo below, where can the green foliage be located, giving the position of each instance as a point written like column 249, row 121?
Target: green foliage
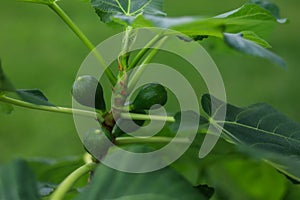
column 238, row 42
column 33, row 96
column 111, row 184
column 262, row 130
column 249, row 35
column 271, row 7
column 50, row 173
column 17, row 181
column 240, row 178
column 248, row 19
column 232, row 174
column 107, row 9
column 234, row 170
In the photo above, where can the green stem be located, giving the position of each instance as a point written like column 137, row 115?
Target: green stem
column 142, row 52
column 55, row 109
column 67, row 184
column 135, row 77
column 124, row 55
column 55, row 7
column 148, row 140
column 136, row 116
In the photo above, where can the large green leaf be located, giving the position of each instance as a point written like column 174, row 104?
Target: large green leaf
column 238, row 42
column 232, row 174
column 250, row 17
column 250, row 20
column 107, row 9
column 17, row 182
column 242, row 178
column 108, row 183
column 262, row 131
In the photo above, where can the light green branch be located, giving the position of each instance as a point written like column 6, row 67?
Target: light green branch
column 67, row 184
column 149, row 140
column 55, row 109
column 136, row 116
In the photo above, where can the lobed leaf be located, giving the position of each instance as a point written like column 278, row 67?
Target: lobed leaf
column 249, row 17
column 261, row 131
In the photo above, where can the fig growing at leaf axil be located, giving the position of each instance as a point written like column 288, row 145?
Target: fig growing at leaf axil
column 151, row 94
column 88, row 91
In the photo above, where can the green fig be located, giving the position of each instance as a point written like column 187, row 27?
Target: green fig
column 127, row 125
column 97, row 142
column 88, row 91
column 149, row 95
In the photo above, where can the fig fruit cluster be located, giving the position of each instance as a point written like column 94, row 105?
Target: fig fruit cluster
column 87, row 91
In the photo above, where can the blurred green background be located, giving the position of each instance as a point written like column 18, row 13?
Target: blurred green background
column 39, row 51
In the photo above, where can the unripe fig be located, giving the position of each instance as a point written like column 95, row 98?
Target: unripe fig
column 88, row 91
column 149, row 95
column 97, row 142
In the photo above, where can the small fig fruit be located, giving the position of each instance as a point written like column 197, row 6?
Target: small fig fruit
column 149, row 95
column 88, row 91
column 97, row 143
